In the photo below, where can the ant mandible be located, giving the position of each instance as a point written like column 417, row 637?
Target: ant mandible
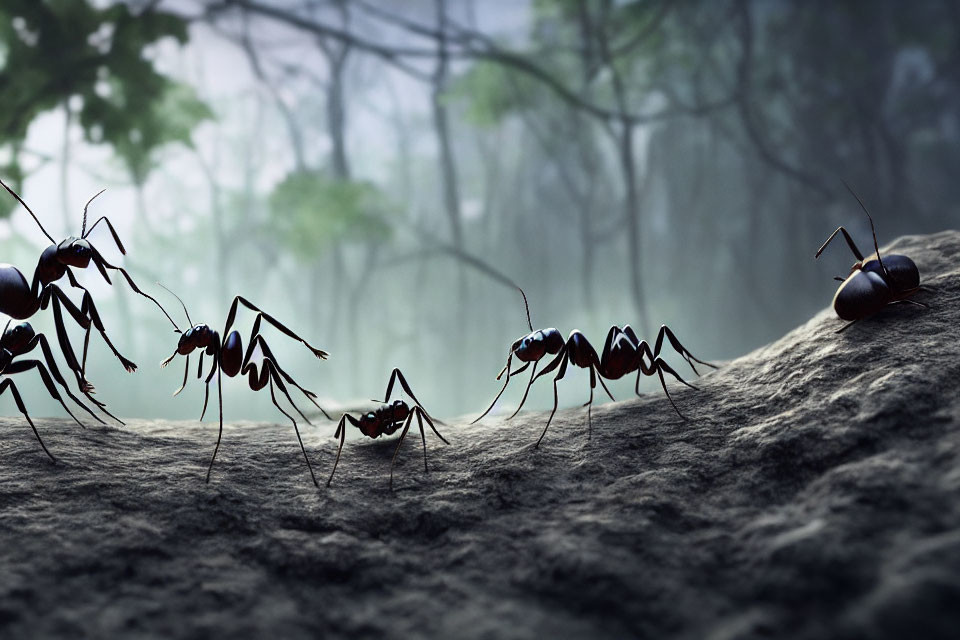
column 230, row 359
column 386, row 420
column 874, row 282
column 20, row 340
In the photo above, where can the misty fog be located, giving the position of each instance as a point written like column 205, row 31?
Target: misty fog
column 367, row 171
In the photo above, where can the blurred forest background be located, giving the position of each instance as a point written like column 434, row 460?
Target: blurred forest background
column 352, row 166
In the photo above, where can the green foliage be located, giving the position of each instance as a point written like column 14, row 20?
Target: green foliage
column 59, row 52
column 491, row 92
column 310, row 211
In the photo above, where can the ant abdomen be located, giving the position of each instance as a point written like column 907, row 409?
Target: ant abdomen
column 231, row 358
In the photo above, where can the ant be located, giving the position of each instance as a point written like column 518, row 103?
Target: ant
column 20, row 340
column 230, row 359
column 386, row 420
column 623, row 353
column 537, row 344
column 21, row 300
column 873, row 282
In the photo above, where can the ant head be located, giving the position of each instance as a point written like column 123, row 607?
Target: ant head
column 16, row 338
column 196, row 337
column 74, row 252
column 531, row 347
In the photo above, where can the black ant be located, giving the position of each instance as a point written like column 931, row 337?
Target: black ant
column 20, row 340
column 230, row 359
column 21, row 300
column 623, row 353
column 386, row 420
column 534, row 346
column 874, row 282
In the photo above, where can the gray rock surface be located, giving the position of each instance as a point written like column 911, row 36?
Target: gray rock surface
column 814, row 493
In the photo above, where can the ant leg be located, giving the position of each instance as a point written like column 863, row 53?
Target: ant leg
column 679, row 348
column 913, row 302
column 602, row 384
column 102, row 265
column 396, row 374
column 113, row 232
column 429, row 420
column 846, row 326
column 662, row 366
column 296, row 429
column 89, row 308
column 231, row 316
column 186, row 373
column 403, row 434
column 47, row 298
column 26, row 365
column 533, row 373
column 342, row 434
column 423, row 436
column 220, row 435
column 271, row 366
column 846, row 236
column 214, row 366
column 55, row 372
column 563, row 370
column 589, row 404
column 7, row 383
column 311, row 396
column 504, row 388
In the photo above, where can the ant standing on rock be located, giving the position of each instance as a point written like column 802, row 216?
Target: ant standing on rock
column 386, row 420
column 874, row 282
column 230, row 359
column 20, row 340
column 21, row 300
column 623, row 353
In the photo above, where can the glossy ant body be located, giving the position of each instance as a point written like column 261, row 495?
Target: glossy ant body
column 230, row 359
column 19, row 340
column 21, row 300
column 874, row 282
column 386, row 420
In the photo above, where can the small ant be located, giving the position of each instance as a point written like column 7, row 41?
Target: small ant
column 20, row 340
column 874, row 282
column 230, row 359
column 386, row 420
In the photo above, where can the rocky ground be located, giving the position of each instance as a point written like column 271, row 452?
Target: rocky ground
column 814, row 493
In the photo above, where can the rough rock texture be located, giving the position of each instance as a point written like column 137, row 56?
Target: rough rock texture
column 814, row 493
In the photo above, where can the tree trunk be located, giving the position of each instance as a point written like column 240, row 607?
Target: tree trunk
column 451, row 192
column 632, row 215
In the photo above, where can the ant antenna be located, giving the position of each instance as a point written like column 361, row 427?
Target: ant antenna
column 83, row 230
column 7, row 326
column 872, row 228
column 181, row 304
column 526, row 306
column 29, row 210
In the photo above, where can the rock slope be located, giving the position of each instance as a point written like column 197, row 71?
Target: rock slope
column 814, row 493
